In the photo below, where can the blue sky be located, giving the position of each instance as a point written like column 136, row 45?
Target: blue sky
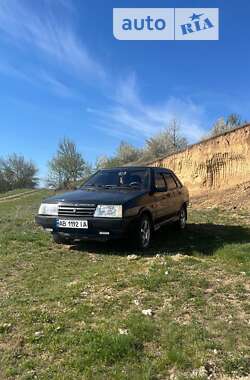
column 62, row 73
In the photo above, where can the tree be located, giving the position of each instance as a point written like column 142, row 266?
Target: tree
column 108, row 162
column 17, row 173
column 3, row 183
column 234, row 121
column 101, row 162
column 68, row 165
column 156, row 146
column 179, row 142
column 166, row 142
column 221, row 125
column 88, row 171
column 127, row 153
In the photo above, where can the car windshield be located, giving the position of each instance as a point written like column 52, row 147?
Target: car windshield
column 115, row 178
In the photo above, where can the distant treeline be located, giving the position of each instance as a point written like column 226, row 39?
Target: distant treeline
column 17, row 173
column 68, row 167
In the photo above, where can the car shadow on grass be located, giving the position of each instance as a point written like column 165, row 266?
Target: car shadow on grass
column 201, row 239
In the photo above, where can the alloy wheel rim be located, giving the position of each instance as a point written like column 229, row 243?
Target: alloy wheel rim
column 182, row 219
column 145, row 233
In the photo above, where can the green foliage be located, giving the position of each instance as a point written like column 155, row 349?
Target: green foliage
column 17, row 173
column 142, row 328
column 68, row 165
column 125, row 154
column 237, row 364
column 154, row 279
column 183, row 344
column 107, row 347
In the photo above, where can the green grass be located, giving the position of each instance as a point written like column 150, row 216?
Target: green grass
column 16, row 192
column 76, row 313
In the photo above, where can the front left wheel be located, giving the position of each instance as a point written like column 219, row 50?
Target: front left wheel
column 143, row 233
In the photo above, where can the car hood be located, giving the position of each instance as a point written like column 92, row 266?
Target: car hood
column 94, row 196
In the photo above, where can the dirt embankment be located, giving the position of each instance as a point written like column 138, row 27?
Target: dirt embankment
column 233, row 199
column 213, row 165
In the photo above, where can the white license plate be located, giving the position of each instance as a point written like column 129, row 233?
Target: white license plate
column 72, row 223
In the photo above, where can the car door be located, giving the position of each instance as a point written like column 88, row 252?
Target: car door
column 173, row 194
column 160, row 195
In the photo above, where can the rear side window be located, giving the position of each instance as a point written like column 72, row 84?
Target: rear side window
column 179, row 184
column 159, row 181
column 171, row 184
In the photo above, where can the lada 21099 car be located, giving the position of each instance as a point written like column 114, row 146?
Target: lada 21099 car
column 117, row 203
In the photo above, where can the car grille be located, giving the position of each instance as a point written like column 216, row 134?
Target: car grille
column 87, row 210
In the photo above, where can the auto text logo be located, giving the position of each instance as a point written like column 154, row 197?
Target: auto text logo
column 166, row 23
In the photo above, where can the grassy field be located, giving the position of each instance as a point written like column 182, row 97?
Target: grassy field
column 181, row 311
column 15, row 193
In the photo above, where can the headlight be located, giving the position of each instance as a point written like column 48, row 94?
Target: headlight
column 108, row 211
column 48, row 209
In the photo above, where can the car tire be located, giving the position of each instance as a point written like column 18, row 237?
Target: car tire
column 143, row 232
column 60, row 239
column 182, row 219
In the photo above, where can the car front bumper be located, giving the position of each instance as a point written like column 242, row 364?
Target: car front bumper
column 98, row 228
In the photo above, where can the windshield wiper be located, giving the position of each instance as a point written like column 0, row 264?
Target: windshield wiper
column 110, row 186
column 90, row 185
column 137, row 185
column 132, row 186
column 105, row 186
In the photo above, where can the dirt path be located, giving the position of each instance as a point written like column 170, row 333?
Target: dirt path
column 17, row 196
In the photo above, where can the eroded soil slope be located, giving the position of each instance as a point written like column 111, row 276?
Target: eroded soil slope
column 235, row 199
column 218, row 163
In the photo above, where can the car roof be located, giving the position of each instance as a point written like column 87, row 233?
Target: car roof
column 138, row 167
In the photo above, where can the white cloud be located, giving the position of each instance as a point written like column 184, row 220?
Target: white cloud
column 59, row 49
column 8, row 69
column 132, row 117
column 39, row 78
column 57, row 41
column 55, row 85
column 127, row 92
